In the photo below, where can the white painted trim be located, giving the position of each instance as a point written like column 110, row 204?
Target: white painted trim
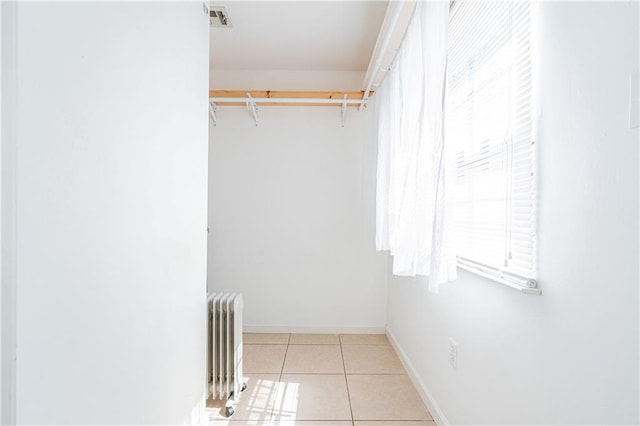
column 388, row 42
column 198, row 412
column 423, row 391
column 311, row 329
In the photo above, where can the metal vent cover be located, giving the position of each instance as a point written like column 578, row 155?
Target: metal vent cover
column 218, row 17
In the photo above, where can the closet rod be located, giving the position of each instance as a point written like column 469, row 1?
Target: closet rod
column 278, row 101
column 283, row 98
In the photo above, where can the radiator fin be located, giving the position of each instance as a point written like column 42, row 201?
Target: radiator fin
column 224, row 354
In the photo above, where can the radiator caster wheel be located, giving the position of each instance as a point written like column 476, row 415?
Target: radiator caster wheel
column 228, row 411
column 244, row 387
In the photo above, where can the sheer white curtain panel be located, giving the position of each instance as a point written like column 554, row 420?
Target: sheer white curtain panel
column 413, row 195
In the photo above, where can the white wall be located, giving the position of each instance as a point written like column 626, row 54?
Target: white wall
column 286, row 80
column 3, row 33
column 8, row 118
column 569, row 356
column 291, row 215
column 112, row 181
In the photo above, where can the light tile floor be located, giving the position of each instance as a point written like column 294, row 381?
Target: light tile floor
column 323, row 380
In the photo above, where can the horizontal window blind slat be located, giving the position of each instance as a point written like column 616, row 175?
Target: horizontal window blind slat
column 489, row 118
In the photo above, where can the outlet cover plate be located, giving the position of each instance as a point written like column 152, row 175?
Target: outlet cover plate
column 453, row 353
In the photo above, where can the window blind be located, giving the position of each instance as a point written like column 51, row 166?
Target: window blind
column 488, row 120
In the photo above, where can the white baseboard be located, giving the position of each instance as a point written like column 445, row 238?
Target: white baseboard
column 198, row 412
column 423, row 391
column 333, row 329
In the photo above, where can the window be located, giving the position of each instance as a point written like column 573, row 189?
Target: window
column 488, row 119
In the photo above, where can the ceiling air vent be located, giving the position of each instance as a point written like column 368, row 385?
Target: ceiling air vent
column 218, row 17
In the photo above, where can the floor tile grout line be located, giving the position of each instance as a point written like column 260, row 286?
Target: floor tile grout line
column 296, row 373
column 377, row 374
column 344, row 368
column 284, row 360
column 367, row 344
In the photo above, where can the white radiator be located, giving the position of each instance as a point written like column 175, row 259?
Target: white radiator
column 224, row 353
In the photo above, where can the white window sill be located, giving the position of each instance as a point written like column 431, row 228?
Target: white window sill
column 522, row 284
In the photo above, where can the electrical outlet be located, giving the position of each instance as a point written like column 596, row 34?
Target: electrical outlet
column 453, row 353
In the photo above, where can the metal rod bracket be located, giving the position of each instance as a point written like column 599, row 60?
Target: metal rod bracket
column 344, row 109
column 212, row 111
column 253, row 107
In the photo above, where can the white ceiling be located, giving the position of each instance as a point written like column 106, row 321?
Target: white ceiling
column 297, row 35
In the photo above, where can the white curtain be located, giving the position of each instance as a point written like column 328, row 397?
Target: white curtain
column 413, row 196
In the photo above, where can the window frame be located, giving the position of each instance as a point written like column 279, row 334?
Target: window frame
column 524, row 284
